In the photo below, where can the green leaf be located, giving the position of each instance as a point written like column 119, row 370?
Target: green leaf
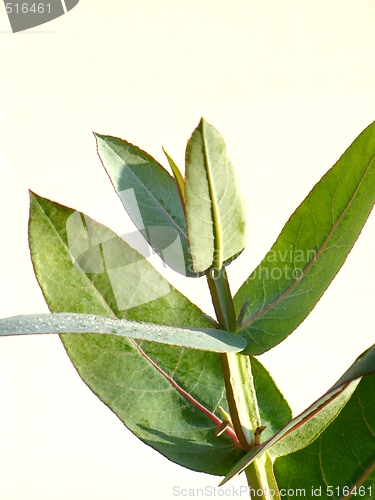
column 214, row 206
column 311, row 248
column 314, row 425
column 151, row 198
column 168, row 396
column 342, row 458
column 178, row 178
column 335, row 398
column 206, row 339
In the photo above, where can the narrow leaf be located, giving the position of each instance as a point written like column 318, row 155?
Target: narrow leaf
column 311, row 248
column 214, row 206
column 177, row 177
column 312, row 428
column 364, row 365
column 341, row 462
column 208, row 339
column 151, row 198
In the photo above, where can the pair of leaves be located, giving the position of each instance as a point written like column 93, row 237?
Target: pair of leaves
column 213, row 231
column 168, row 396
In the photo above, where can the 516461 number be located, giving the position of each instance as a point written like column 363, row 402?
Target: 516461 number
column 24, row 8
column 344, row 491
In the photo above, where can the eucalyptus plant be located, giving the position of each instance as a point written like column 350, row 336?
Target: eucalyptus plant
column 187, row 384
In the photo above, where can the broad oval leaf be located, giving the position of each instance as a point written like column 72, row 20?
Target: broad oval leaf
column 151, row 198
column 311, row 248
column 342, row 460
column 364, row 365
column 214, row 207
column 168, row 396
column 205, row 339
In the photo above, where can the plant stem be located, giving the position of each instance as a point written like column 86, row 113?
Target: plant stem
column 222, row 299
column 240, row 390
column 261, row 479
column 238, row 378
column 241, row 397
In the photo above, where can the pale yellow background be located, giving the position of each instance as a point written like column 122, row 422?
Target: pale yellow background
column 288, row 83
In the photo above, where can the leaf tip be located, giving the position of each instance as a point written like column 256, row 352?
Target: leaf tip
column 34, row 196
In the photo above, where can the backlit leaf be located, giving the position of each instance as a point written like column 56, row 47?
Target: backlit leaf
column 214, row 206
column 310, row 249
column 168, row 396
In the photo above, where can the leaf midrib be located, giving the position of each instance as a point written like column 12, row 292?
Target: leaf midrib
column 218, row 247
column 217, row 421
column 174, row 384
column 255, row 316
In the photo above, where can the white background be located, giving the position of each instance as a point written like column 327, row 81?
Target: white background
column 289, row 84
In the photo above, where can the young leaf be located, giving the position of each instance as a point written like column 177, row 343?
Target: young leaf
column 311, row 248
column 178, row 178
column 342, row 460
column 151, row 198
column 168, row 396
column 206, row 339
column 214, row 206
column 364, row 365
